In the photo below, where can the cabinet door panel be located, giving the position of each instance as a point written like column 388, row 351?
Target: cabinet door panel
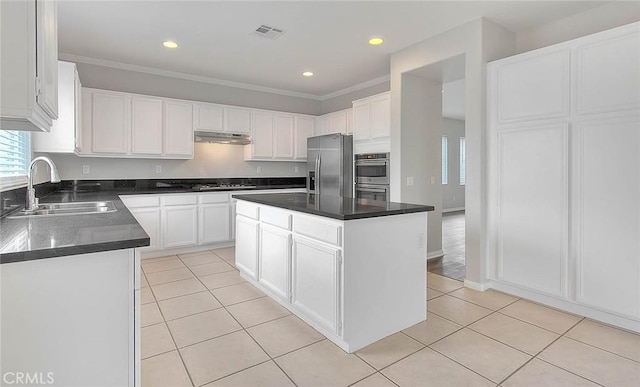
column 179, row 226
column 47, row 56
column 608, row 74
column 209, row 117
column 316, row 291
column 213, row 223
column 149, row 219
column 304, row 130
column 533, row 224
column 338, row 123
column 361, row 121
column 608, row 263
column 111, row 114
column 178, row 129
column 381, row 116
column 275, row 258
column 284, row 136
column 237, row 120
column 146, row 126
column 262, row 137
column 247, row 230
column 534, row 87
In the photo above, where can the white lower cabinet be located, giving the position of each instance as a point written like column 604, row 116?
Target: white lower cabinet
column 275, row 260
column 213, row 223
column 72, row 318
column 149, row 219
column 315, row 282
column 180, row 226
column 247, row 230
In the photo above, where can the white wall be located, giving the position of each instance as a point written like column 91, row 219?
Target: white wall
column 344, row 101
column 480, row 41
column 593, row 20
column 421, row 128
column 453, row 192
column 453, row 100
column 210, row 161
column 103, row 77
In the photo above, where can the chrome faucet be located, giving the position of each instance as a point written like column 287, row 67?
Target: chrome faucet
column 32, row 201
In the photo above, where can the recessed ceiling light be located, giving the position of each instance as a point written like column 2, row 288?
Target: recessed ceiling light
column 375, row 41
column 307, row 74
column 170, row 44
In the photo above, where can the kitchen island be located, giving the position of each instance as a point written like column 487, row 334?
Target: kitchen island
column 353, row 269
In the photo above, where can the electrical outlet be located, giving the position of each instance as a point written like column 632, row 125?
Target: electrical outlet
column 410, row 180
column 433, row 179
column 420, row 240
column 259, row 169
column 158, row 168
column 296, row 169
column 85, row 169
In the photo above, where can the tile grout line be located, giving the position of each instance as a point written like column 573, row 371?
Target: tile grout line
column 539, row 352
column 596, row 347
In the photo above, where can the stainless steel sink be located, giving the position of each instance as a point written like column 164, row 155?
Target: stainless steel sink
column 72, row 208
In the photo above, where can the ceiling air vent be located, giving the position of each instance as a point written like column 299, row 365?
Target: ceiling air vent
column 269, row 32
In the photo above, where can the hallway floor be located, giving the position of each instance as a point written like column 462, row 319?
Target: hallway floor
column 203, row 325
column 452, row 265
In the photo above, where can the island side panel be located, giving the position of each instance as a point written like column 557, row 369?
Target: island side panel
column 384, row 276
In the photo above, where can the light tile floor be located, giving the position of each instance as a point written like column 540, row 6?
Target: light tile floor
column 203, row 325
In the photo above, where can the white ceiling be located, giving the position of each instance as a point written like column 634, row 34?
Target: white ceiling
column 329, row 38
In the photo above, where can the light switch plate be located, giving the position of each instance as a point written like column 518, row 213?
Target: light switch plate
column 410, row 180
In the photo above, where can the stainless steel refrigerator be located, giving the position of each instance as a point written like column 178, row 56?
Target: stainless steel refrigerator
column 330, row 165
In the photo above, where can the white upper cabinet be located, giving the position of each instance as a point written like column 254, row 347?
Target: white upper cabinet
column 29, row 62
column 110, row 122
column 116, row 124
column 178, row 129
column 261, row 146
column 283, row 140
column 146, row 125
column 336, row 122
column 208, row 117
column 237, row 120
column 372, row 118
column 303, row 130
column 66, row 129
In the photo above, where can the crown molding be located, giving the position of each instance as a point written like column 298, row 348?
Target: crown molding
column 179, row 75
column 216, row 81
column 357, row 87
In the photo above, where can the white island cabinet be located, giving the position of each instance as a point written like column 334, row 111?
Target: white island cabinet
column 72, row 320
column 345, row 277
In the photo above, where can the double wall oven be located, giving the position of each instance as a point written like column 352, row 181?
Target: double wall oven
column 372, row 176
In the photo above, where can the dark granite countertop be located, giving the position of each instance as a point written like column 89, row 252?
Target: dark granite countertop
column 26, row 239
column 33, row 238
column 335, row 207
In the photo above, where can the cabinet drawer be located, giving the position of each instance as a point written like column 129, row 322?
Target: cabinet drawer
column 179, row 200
column 214, row 198
column 141, row 201
column 275, row 217
column 322, row 231
column 247, row 209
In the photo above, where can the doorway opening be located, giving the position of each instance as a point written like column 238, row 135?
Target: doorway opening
column 446, row 255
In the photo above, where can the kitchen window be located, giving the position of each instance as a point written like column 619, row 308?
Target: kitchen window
column 445, row 158
column 15, row 156
column 463, row 160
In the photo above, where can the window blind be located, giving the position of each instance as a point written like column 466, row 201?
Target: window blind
column 15, row 156
column 445, row 158
column 463, row 160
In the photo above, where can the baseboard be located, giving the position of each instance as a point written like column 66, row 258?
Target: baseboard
column 477, row 286
column 185, row 250
column 435, row 254
column 569, row 306
column 445, row 210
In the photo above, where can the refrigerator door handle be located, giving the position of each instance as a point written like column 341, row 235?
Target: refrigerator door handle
column 318, row 174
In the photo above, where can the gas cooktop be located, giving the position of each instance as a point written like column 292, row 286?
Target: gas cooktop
column 221, row 186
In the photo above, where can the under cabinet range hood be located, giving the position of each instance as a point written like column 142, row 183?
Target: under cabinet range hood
column 221, row 137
